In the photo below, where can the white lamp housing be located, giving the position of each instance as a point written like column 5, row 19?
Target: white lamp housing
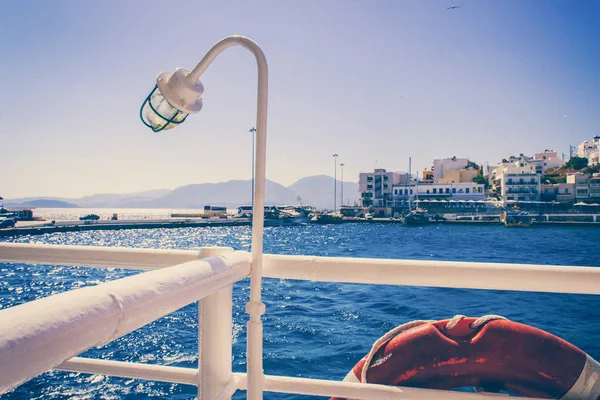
column 174, row 97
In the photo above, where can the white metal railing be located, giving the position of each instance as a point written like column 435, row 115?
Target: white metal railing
column 42, row 334
column 112, row 309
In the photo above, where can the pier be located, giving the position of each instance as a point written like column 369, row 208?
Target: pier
column 43, row 227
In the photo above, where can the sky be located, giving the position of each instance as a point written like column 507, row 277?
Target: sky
column 374, row 81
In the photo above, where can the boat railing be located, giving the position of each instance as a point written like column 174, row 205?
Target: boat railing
column 50, row 333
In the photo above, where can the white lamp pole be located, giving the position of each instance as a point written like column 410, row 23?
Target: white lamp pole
column 342, row 168
column 335, row 156
column 253, row 131
column 175, row 96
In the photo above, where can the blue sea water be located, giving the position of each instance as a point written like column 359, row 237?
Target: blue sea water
column 313, row 329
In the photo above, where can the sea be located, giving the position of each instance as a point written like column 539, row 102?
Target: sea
column 312, row 329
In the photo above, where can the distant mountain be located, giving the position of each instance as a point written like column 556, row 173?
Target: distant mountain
column 43, row 203
column 228, row 194
column 318, row 191
column 120, row 200
column 313, row 190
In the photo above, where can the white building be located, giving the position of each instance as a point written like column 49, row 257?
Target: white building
column 590, row 150
column 376, row 187
column 520, row 187
column 519, row 179
column 547, row 160
column 448, row 191
column 452, row 191
column 447, row 164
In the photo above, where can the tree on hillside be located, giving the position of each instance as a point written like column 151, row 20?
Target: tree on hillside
column 577, row 163
column 554, row 178
column 471, row 164
column 481, row 179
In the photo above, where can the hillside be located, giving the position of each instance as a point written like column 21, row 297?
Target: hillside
column 318, row 191
column 120, row 200
column 43, row 203
column 560, row 174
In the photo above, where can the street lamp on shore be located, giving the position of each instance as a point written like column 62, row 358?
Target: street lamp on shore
column 335, row 156
column 175, row 96
column 342, row 165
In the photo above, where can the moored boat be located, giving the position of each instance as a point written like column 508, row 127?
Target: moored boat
column 416, row 217
column 515, row 218
column 328, row 218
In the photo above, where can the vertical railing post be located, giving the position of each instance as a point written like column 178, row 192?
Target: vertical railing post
column 214, row 336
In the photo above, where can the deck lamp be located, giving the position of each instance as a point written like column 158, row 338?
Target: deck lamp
column 175, row 96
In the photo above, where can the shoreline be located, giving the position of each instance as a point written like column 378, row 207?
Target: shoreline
column 79, row 226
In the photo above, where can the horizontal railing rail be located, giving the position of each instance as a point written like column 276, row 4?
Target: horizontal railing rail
column 123, row 369
column 94, row 256
column 347, row 390
column 448, row 274
column 42, row 334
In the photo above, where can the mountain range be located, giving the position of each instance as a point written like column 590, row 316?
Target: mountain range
column 313, row 190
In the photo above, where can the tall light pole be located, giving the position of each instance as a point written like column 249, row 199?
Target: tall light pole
column 335, row 156
column 253, row 131
column 342, row 168
column 175, row 96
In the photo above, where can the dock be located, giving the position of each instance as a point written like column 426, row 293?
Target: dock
column 40, row 228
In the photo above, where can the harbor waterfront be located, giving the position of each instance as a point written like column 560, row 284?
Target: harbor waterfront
column 313, row 329
column 65, row 220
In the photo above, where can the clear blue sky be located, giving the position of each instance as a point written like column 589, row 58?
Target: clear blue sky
column 374, row 81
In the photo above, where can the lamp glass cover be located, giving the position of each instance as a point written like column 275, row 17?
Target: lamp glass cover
column 161, row 115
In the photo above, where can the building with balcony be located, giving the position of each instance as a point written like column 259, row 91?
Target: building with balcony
column 539, row 163
column 517, row 179
column 587, row 188
column 594, row 186
column 561, row 192
column 547, row 160
column 376, row 187
column 520, row 187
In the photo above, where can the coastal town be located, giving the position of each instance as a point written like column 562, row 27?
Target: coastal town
column 518, row 191
column 543, row 183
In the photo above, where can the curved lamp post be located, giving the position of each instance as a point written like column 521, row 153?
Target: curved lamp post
column 175, row 96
